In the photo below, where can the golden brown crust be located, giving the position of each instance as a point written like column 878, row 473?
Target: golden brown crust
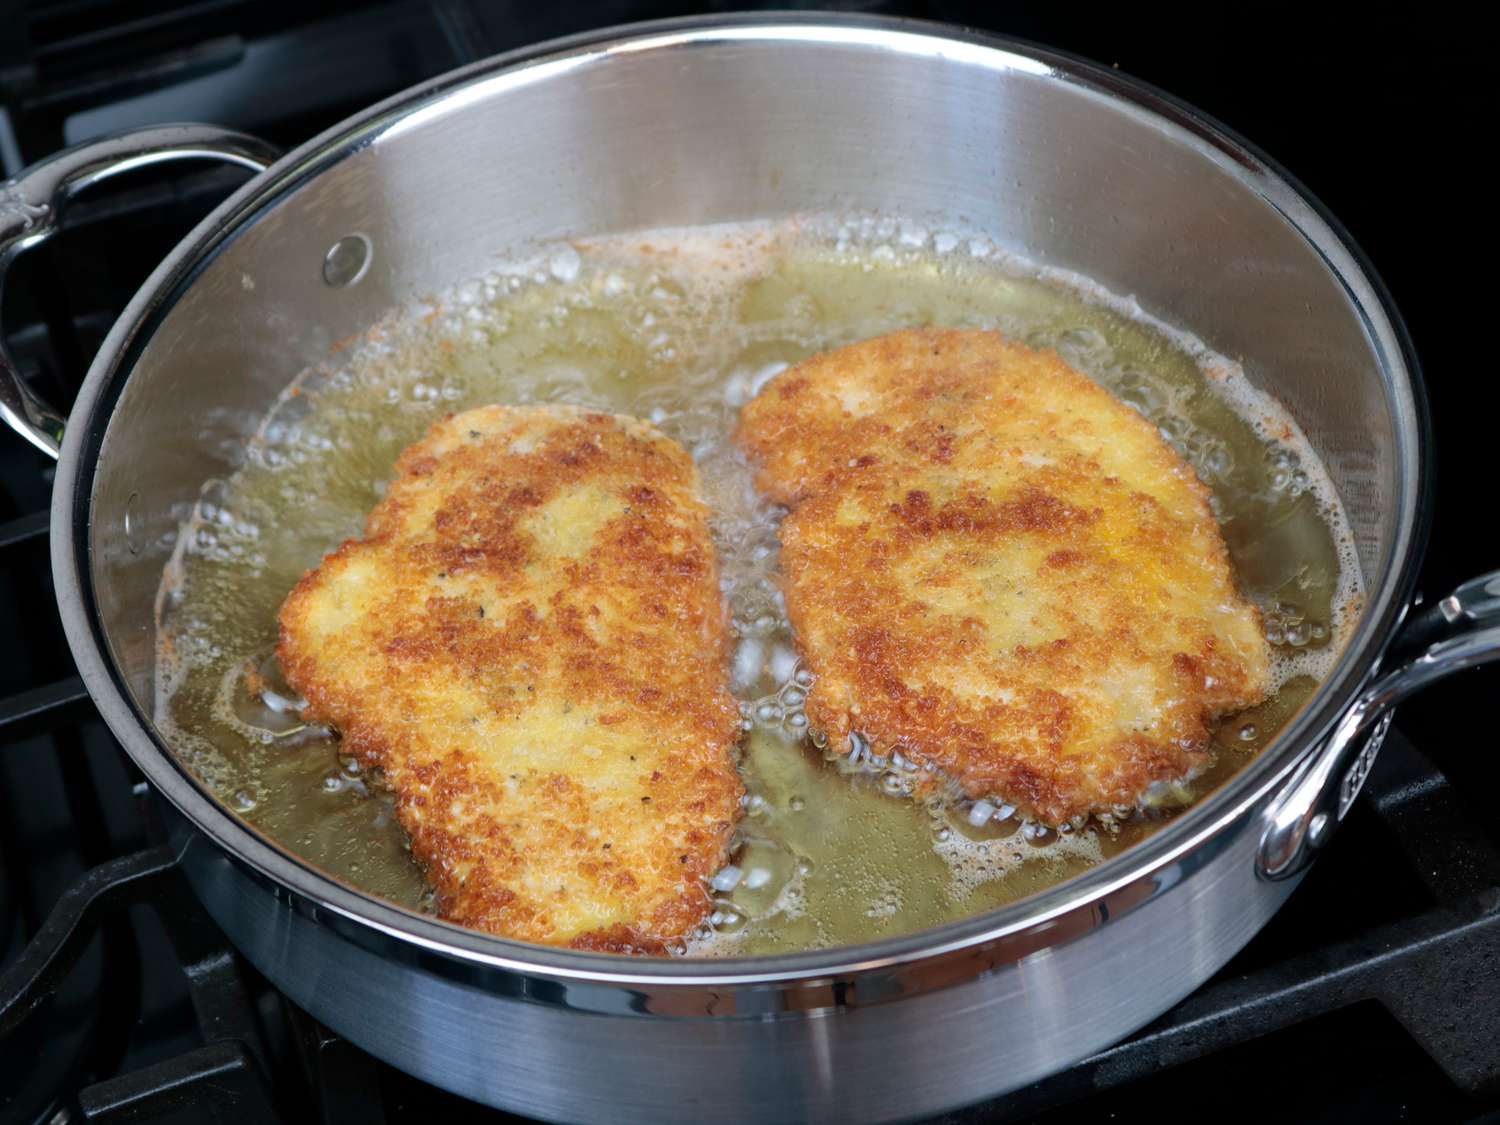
column 998, row 568
column 530, row 643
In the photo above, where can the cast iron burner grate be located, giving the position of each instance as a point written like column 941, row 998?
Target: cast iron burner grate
column 1371, row 996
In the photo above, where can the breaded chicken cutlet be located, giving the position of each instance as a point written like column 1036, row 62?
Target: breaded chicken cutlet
column 1001, row 570
column 529, row 642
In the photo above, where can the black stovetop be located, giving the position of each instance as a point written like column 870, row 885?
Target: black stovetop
column 1374, row 995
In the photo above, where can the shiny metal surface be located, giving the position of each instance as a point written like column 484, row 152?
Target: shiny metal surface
column 712, row 121
column 1476, row 602
column 31, row 203
column 563, row 1051
column 1321, row 793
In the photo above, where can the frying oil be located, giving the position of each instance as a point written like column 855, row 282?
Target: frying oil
column 683, row 328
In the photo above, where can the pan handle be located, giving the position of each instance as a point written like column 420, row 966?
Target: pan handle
column 1461, row 631
column 29, row 207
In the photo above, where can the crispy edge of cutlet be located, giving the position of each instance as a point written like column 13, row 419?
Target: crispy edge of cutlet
column 711, row 717
column 813, row 459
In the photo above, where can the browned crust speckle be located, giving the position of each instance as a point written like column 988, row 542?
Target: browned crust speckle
column 997, row 567
column 530, row 643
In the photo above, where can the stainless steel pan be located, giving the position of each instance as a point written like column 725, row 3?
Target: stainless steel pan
column 708, row 121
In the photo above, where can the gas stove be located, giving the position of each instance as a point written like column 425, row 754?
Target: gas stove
column 1373, row 996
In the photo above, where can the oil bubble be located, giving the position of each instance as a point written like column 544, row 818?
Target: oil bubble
column 726, row 918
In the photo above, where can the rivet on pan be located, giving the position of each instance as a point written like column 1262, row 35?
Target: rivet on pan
column 347, row 261
column 133, row 523
column 1318, row 829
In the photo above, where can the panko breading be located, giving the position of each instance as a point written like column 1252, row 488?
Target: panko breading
column 530, row 643
column 996, row 567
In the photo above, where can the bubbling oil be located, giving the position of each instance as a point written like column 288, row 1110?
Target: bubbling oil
column 683, row 328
